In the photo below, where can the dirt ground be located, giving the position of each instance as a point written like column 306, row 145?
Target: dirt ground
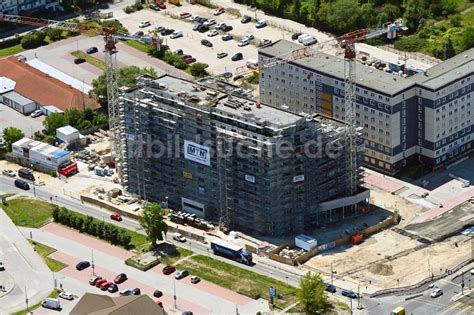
column 382, row 273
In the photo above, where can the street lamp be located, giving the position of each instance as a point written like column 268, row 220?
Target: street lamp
column 166, row 202
column 92, row 264
column 174, row 292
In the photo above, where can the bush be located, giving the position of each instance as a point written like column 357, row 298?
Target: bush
column 137, row 6
column 31, row 41
column 54, row 34
column 175, row 60
column 11, row 42
column 128, row 9
column 198, row 70
column 158, row 53
column 410, row 43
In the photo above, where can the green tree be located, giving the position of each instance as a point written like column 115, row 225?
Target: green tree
column 389, row 13
column 89, row 114
column 448, row 49
column 455, row 20
column 415, row 12
column 53, row 122
column 198, row 70
column 344, row 16
column 11, row 135
column 54, row 34
column 152, row 222
column 311, row 294
column 468, row 38
column 73, row 117
column 158, row 53
column 85, row 124
column 30, row 41
column 50, row 139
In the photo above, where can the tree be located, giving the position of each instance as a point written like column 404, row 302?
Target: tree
column 54, row 34
column 343, row 16
column 389, row 13
column 126, row 76
column 153, row 223
column 73, row 117
column 11, row 135
column 53, row 122
column 30, row 41
column 415, row 12
column 468, row 38
column 448, row 49
column 455, row 20
column 198, row 70
column 311, row 294
column 158, row 53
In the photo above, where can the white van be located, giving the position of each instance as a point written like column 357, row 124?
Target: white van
column 310, row 40
column 176, row 34
column 51, row 303
column 303, row 36
column 252, row 64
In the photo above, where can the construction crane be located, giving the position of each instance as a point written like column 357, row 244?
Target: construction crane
column 111, row 37
column 347, row 42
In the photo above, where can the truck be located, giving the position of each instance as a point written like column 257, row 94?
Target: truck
column 398, row 311
column 231, row 251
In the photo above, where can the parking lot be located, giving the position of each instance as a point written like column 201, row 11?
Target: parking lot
column 190, row 43
column 11, row 118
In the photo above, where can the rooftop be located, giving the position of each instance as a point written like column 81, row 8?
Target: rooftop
column 42, row 88
column 41, row 147
column 366, row 76
column 67, row 130
column 18, row 98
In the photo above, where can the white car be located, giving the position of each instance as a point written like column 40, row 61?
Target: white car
column 219, row 25
column 261, row 23
column 36, row 113
column 249, row 37
column 436, row 292
column 243, row 42
column 212, row 33
column 472, row 271
column 2, row 267
column 66, row 295
column 221, row 54
column 178, row 237
column 195, row 279
column 210, row 22
column 10, row 173
column 144, row 24
column 194, row 17
column 219, row 11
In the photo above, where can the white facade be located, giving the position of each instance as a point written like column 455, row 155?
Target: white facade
column 40, row 153
column 67, row 134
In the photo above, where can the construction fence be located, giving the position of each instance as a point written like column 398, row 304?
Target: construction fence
column 274, row 255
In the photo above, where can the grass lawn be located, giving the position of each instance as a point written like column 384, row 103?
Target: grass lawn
column 93, row 61
column 29, row 212
column 53, row 295
column 6, row 195
column 181, row 253
column 238, row 279
column 139, row 46
column 44, row 251
column 5, row 52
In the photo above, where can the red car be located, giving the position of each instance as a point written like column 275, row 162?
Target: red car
column 189, row 60
column 100, row 282
column 94, row 279
column 158, row 302
column 160, row 5
column 168, row 270
column 120, row 278
column 105, row 286
column 116, row 217
column 184, row 15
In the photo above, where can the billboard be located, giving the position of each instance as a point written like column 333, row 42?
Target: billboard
column 250, row 178
column 197, row 153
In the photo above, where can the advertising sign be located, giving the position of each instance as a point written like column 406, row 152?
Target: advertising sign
column 250, row 178
column 197, row 153
column 298, row 178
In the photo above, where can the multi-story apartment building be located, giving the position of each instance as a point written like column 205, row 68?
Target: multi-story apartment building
column 254, row 167
column 17, row 6
column 427, row 117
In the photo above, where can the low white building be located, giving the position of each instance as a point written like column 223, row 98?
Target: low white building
column 67, row 134
column 40, row 154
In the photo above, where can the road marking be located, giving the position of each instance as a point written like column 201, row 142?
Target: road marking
column 432, row 303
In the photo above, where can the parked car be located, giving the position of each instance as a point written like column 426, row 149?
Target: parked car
column 179, row 237
column 9, row 173
column 113, row 288
column 144, row 24
column 196, row 26
column 195, row 279
column 296, row 35
column 2, row 266
column 219, row 11
column 178, row 51
column 237, row 77
column 194, row 18
column 249, row 37
column 181, row 274
column 83, row 265
column 167, row 31
column 126, row 292
column 226, row 75
column 237, row 56
column 136, row 291
column 261, row 24
column 436, row 292
column 472, row 271
column 349, row 293
column 168, row 269
column 189, row 60
column 159, row 28
column 330, row 287
column 78, row 61
column 100, row 282
column 206, row 43
column 116, row 217
column 92, row 50
column 93, row 279
column 157, row 294
column 22, row 184
column 210, row 22
column 154, row 7
column 159, row 303
column 203, row 28
column 26, row 173
column 227, row 28
column 243, row 42
column 105, row 286
column 51, row 304
column 184, row 15
column 138, row 34
column 245, row 19
column 265, row 42
column 66, row 295
column 161, row 5
column 121, row 277
column 227, row 37
column 221, row 54
column 176, row 34
column 220, row 25
column 212, row 33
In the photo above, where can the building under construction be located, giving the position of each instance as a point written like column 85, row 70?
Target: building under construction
column 246, row 165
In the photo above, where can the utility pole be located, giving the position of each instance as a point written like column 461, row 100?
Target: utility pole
column 174, row 292
column 26, row 300
column 351, row 305
column 332, row 274
column 358, row 296
column 92, row 262
column 462, row 283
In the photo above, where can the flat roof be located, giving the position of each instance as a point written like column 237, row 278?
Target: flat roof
column 366, row 76
column 67, row 130
column 41, row 147
column 18, row 98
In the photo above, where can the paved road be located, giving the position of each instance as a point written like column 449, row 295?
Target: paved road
column 11, row 118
